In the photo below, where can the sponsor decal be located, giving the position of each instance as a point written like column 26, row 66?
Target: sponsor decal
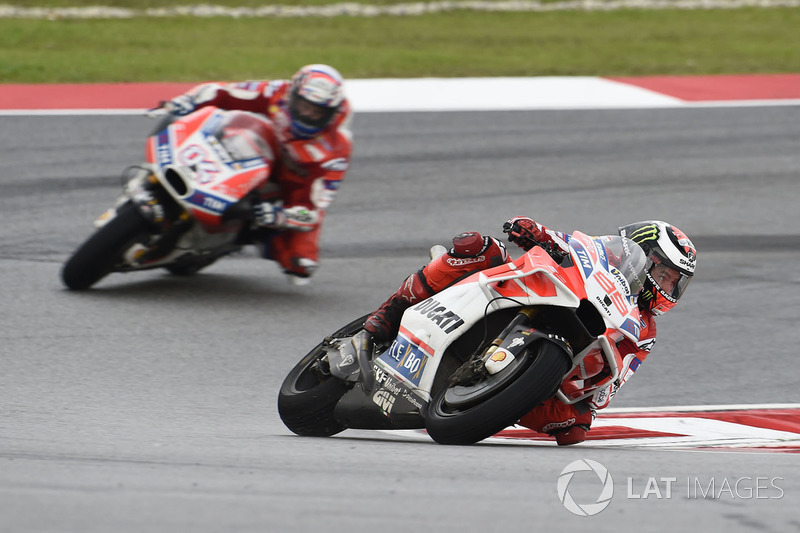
column 384, row 400
column 412, row 399
column 631, row 327
column 462, row 261
column 518, row 341
column 557, row 425
column 620, row 278
column 601, row 397
column 434, row 311
column 386, row 382
column 645, row 233
column 395, row 389
column 583, row 258
column 208, row 202
column 213, row 203
column 164, row 151
column 499, row 355
column 406, row 358
column 601, row 253
column 603, row 304
column 391, row 389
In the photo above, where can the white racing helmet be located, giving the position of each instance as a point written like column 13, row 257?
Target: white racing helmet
column 670, row 252
column 315, row 95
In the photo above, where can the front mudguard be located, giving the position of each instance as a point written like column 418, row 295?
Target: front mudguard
column 520, row 338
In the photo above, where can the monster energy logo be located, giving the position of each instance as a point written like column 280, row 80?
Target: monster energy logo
column 645, row 233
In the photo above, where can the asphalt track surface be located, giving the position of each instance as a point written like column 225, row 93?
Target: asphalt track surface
column 149, row 403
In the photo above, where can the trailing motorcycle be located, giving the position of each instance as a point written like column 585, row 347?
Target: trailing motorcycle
column 188, row 204
column 472, row 359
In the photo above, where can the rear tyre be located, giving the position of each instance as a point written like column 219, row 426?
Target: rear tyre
column 309, row 393
column 96, row 257
column 468, row 424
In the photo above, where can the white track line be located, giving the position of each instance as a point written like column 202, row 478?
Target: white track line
column 351, row 9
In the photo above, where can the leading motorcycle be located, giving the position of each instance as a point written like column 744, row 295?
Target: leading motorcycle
column 472, row 359
column 188, row 204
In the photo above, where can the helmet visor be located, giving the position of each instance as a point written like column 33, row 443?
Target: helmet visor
column 670, row 282
column 308, row 114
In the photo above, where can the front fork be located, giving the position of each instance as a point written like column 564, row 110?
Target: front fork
column 167, row 219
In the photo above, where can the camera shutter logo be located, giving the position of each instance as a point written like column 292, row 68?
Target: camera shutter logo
column 587, row 509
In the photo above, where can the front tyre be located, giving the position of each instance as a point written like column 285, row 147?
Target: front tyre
column 309, row 393
column 448, row 424
column 96, row 257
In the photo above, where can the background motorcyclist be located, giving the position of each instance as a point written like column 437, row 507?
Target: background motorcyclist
column 313, row 120
column 671, row 265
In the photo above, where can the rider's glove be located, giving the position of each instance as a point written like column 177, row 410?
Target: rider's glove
column 268, row 215
column 525, row 233
column 180, row 105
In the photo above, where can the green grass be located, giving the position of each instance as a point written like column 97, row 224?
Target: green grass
column 144, row 4
column 634, row 42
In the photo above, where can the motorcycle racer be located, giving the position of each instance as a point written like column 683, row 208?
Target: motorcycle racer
column 313, row 119
column 671, row 261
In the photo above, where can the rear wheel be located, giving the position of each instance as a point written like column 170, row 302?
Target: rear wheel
column 96, row 257
column 309, row 393
column 466, row 415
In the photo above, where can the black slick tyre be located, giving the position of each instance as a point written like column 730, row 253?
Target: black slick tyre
column 98, row 255
column 447, row 424
column 309, row 395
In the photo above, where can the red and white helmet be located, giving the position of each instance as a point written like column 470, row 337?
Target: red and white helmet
column 315, row 95
column 671, row 261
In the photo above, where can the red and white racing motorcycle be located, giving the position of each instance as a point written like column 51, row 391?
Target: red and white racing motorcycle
column 474, row 358
column 188, row 204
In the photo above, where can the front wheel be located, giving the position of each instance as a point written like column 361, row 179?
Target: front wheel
column 487, row 416
column 309, row 393
column 96, row 257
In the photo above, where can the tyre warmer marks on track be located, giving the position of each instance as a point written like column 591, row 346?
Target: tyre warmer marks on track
column 740, row 428
column 442, row 94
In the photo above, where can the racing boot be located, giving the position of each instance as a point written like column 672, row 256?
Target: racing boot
column 470, row 253
column 568, row 424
